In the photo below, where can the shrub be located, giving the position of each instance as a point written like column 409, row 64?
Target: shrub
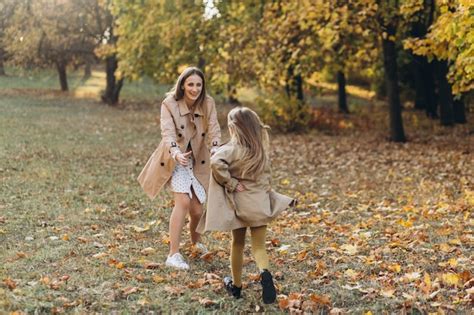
column 283, row 113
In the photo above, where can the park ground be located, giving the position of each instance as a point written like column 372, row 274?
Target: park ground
column 380, row 227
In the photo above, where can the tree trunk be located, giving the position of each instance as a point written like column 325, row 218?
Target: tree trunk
column 391, row 79
column 341, row 92
column 459, row 111
column 430, row 89
column 420, row 93
column 202, row 64
column 444, row 94
column 61, row 68
column 2, row 57
column 231, row 94
column 113, row 86
column 87, row 70
column 294, row 84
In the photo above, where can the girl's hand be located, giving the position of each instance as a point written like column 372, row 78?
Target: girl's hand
column 183, row 158
column 239, row 187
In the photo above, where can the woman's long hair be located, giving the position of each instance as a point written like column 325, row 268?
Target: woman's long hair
column 247, row 130
column 178, row 90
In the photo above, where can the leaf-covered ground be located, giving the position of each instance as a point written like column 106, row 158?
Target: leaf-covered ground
column 380, row 226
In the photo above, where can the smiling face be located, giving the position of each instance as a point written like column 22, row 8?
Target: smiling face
column 192, row 88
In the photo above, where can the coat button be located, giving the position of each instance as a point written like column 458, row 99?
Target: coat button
column 182, row 126
column 162, row 164
column 180, row 135
column 203, row 134
column 202, row 162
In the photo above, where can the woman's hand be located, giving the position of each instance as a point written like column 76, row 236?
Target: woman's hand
column 183, row 158
column 239, row 187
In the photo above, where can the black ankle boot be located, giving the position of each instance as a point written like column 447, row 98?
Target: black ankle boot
column 231, row 288
column 268, row 288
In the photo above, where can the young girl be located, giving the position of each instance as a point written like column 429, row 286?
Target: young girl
column 240, row 196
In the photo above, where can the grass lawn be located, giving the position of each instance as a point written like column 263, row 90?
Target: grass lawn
column 380, row 226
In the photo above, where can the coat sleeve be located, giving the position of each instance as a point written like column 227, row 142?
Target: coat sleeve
column 214, row 129
column 220, row 162
column 168, row 130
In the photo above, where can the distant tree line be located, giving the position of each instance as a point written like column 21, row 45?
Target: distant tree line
column 281, row 46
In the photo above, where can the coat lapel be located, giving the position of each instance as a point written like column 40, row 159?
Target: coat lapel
column 183, row 108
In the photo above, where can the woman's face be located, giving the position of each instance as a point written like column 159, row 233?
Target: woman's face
column 192, row 88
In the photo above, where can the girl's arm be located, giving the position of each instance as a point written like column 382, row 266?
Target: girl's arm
column 214, row 129
column 168, row 130
column 220, row 162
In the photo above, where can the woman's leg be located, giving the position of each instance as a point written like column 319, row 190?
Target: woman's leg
column 181, row 208
column 195, row 212
column 237, row 255
column 259, row 251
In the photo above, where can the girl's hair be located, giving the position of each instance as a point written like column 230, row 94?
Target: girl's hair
column 247, row 130
column 178, row 90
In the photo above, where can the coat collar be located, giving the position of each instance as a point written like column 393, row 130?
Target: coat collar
column 184, row 110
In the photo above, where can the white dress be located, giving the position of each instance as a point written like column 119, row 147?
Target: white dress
column 182, row 179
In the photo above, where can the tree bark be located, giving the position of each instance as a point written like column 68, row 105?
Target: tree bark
column 202, row 64
column 87, row 70
column 2, row 57
column 459, row 111
column 420, row 92
column 113, row 86
column 61, row 68
column 397, row 133
column 341, row 92
column 294, row 84
column 431, row 108
column 231, row 94
column 445, row 95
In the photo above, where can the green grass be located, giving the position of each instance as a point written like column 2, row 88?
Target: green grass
column 74, row 221
column 46, row 80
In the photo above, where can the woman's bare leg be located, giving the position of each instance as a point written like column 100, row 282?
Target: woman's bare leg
column 195, row 212
column 181, row 208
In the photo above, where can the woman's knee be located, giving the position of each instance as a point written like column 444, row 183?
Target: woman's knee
column 182, row 201
column 195, row 210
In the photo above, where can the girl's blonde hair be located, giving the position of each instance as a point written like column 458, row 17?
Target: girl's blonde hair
column 247, row 130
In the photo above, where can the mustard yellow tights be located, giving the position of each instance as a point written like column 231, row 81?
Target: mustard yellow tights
column 257, row 236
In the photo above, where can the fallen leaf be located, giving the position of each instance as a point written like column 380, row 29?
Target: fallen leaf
column 411, row 276
column 152, row 265
column 174, row 290
column 394, row 268
column 387, row 292
column 349, row 249
column 129, row 290
column 9, row 283
column 147, row 251
column 100, row 255
column 206, row 302
column 283, row 304
column 451, row 279
column 20, row 254
column 158, row 279
column 320, row 299
column 140, row 229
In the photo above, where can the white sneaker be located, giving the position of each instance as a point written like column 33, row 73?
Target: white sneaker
column 202, row 249
column 176, row 261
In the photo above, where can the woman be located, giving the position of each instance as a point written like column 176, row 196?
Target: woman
column 189, row 127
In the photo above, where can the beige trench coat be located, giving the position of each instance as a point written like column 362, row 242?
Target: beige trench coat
column 227, row 209
column 180, row 128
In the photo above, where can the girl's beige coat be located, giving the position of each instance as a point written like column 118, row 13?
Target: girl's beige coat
column 227, row 209
column 179, row 128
